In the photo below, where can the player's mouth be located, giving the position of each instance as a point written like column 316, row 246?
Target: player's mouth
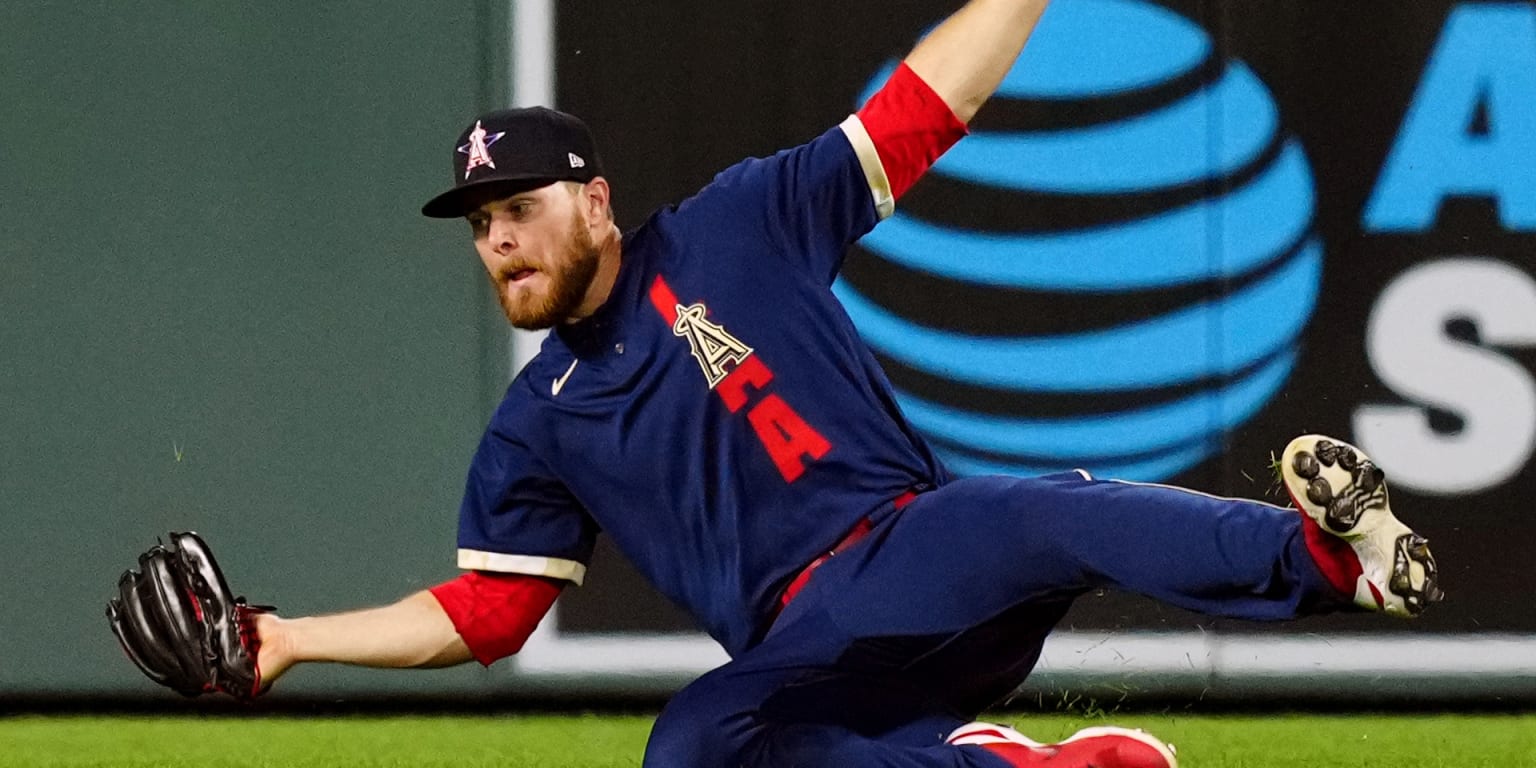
column 518, row 276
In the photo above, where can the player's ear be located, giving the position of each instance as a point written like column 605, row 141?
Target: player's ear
column 596, row 201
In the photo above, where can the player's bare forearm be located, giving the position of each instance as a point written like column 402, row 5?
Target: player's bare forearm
column 414, row 632
column 965, row 58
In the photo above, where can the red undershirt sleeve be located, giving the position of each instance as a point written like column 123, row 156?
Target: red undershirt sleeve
column 496, row 612
column 910, row 126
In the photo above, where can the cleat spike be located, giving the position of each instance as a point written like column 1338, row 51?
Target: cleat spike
column 1305, row 465
column 1319, row 492
column 1369, row 478
column 1343, row 513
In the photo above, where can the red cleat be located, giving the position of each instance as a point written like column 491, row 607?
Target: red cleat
column 1101, row 747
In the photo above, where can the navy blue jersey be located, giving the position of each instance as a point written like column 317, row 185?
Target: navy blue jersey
column 718, row 416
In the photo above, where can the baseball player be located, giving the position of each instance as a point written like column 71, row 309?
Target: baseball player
column 704, row 400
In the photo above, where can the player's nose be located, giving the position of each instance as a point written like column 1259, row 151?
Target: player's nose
column 502, row 237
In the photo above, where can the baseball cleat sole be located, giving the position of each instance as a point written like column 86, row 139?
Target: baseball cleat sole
column 1345, row 493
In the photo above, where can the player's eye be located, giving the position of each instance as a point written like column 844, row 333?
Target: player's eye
column 479, row 224
column 522, row 210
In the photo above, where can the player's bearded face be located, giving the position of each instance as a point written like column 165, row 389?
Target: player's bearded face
column 555, row 291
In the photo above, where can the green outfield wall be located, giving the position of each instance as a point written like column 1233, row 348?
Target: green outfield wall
column 223, row 312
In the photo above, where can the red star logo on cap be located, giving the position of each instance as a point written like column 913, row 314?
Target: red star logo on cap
column 478, row 148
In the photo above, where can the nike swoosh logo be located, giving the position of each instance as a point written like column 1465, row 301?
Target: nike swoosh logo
column 554, row 389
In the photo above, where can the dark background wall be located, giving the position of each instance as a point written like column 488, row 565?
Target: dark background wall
column 677, row 91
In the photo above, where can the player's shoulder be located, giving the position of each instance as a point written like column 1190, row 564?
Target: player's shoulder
column 785, row 167
column 832, row 145
column 744, row 206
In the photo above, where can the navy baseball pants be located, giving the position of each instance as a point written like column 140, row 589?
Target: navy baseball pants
column 943, row 608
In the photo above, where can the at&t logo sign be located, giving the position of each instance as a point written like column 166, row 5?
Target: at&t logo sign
column 1441, row 334
column 1112, row 273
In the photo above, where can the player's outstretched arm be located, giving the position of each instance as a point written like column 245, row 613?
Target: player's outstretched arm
column 965, row 58
column 480, row 615
column 414, row 632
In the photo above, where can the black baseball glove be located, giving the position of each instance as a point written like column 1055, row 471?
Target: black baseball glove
column 177, row 620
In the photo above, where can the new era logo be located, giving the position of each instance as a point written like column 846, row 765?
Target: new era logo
column 576, row 161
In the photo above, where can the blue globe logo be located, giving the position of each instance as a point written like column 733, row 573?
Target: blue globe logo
column 1112, row 271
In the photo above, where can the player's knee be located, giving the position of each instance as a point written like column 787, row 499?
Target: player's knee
column 695, row 729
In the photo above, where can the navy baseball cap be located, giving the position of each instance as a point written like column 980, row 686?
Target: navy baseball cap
column 516, row 150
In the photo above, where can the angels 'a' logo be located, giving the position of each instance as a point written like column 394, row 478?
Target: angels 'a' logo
column 747, row 387
column 478, row 148
column 711, row 345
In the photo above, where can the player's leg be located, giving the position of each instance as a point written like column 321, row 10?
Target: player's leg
column 985, row 544
column 821, row 689
column 810, row 696
column 976, row 547
column 974, row 663
column 982, row 666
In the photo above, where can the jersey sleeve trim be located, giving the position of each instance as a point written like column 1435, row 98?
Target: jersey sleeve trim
column 530, row 565
column 910, row 126
column 874, row 170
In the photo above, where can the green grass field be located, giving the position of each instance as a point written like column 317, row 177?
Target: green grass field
column 1452, row 741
